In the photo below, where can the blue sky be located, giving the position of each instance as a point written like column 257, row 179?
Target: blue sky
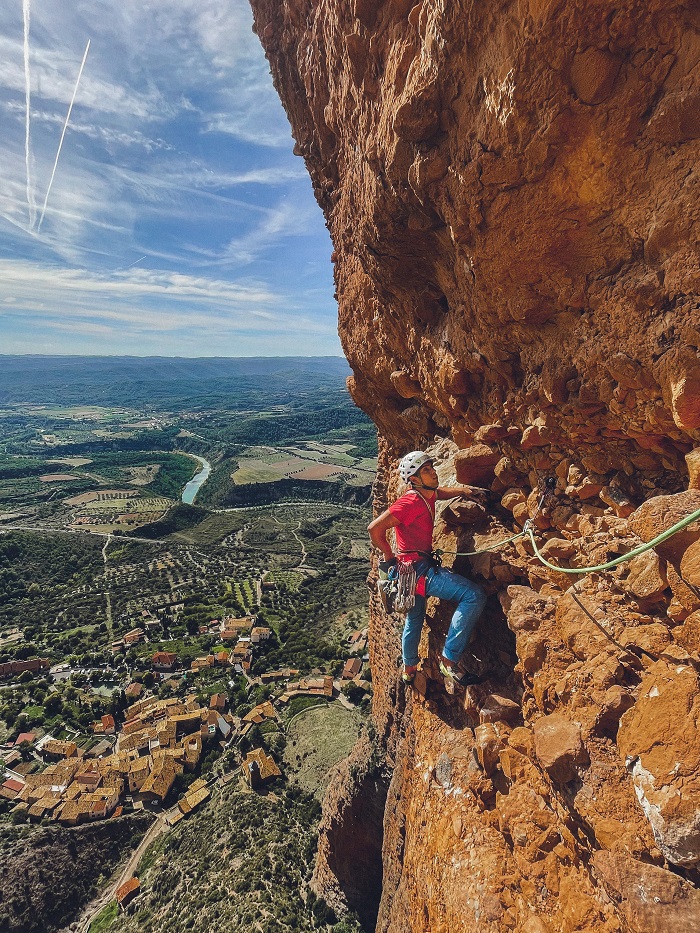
column 179, row 222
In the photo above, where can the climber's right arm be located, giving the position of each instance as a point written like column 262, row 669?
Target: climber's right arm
column 378, row 530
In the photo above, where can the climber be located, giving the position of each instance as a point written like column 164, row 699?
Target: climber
column 412, row 516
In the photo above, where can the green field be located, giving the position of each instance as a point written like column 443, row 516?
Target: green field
column 154, row 504
column 286, row 579
column 244, row 593
column 256, row 471
column 103, row 921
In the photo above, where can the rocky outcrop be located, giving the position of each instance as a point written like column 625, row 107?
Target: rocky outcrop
column 349, row 863
column 49, row 874
column 512, row 193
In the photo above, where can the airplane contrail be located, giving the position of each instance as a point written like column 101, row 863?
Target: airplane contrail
column 63, row 133
column 135, row 263
column 31, row 204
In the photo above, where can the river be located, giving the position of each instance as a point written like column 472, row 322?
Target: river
column 197, row 481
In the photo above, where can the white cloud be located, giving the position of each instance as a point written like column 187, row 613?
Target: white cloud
column 148, row 301
column 285, row 220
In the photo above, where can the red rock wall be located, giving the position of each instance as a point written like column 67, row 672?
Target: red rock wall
column 512, row 194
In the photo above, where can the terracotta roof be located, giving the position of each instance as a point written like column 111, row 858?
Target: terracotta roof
column 266, row 764
column 12, row 784
column 24, row 737
column 56, row 747
column 352, row 668
column 167, row 658
column 193, row 748
column 72, row 791
column 70, row 811
column 199, row 796
column 39, row 809
column 261, row 712
column 188, row 721
column 160, row 781
column 129, row 887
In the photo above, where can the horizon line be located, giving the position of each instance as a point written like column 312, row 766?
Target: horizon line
column 133, row 356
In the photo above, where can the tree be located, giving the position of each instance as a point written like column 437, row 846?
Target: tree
column 118, row 702
column 25, row 651
column 353, row 692
column 38, row 695
column 21, row 722
column 53, row 704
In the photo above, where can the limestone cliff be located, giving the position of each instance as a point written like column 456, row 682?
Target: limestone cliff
column 512, row 192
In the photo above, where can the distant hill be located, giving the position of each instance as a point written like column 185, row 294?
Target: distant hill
column 162, row 382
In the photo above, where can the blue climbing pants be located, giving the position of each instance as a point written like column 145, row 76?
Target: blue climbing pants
column 444, row 584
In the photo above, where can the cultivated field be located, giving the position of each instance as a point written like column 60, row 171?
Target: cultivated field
column 288, row 579
column 313, row 461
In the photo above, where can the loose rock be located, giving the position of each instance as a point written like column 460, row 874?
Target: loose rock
column 559, row 747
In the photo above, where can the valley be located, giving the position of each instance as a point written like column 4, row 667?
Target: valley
column 150, row 648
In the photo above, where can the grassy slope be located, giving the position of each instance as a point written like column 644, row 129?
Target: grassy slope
column 242, row 862
column 317, row 740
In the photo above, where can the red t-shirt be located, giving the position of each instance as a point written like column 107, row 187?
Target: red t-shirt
column 417, row 517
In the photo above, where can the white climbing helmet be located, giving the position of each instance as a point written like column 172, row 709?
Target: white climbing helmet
column 411, row 463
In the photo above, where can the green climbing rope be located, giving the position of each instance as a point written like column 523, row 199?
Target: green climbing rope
column 659, row 539
column 527, row 530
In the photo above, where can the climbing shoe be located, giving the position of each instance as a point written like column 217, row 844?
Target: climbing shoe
column 408, row 674
column 459, row 678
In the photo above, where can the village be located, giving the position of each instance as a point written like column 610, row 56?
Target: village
column 140, row 755
column 156, row 682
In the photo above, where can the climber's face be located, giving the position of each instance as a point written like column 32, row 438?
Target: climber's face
column 426, row 477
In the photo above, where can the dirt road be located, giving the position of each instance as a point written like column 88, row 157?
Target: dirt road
column 94, row 907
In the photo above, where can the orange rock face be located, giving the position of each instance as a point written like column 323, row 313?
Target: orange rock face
column 512, row 193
